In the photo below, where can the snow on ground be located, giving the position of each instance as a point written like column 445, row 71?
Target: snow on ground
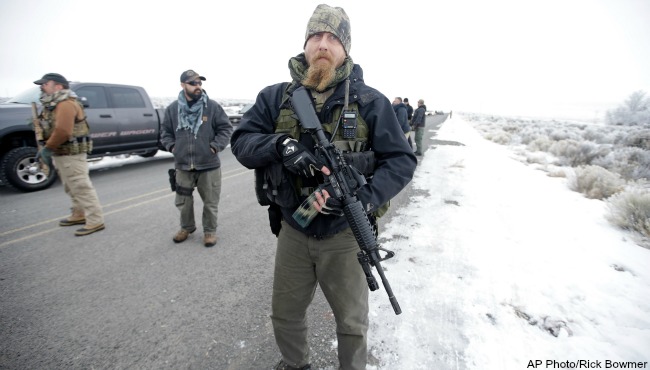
column 498, row 264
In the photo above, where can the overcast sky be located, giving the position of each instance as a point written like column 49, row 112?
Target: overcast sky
column 549, row 57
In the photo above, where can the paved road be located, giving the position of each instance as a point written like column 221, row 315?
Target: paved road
column 128, row 297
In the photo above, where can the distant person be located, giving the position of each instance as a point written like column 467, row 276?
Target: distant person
column 418, row 123
column 409, row 110
column 67, row 143
column 449, row 114
column 402, row 117
column 322, row 253
column 195, row 130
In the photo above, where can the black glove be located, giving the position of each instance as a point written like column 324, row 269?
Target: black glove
column 297, row 159
column 332, row 206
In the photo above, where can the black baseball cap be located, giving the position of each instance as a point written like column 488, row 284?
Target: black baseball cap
column 190, row 75
column 52, row 77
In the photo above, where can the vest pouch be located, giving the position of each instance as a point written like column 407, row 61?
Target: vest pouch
column 74, row 146
column 86, row 145
column 74, row 149
column 260, row 187
column 279, row 186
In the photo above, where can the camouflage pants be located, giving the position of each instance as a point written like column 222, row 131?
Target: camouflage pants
column 301, row 262
column 73, row 172
column 208, row 184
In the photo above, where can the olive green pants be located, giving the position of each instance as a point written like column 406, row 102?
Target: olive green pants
column 419, row 134
column 301, row 262
column 208, row 184
column 74, row 174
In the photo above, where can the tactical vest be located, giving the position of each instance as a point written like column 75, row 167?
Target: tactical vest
column 355, row 151
column 78, row 143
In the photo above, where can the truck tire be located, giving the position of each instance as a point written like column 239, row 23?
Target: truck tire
column 15, row 170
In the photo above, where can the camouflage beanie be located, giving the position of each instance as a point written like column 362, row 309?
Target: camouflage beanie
column 332, row 20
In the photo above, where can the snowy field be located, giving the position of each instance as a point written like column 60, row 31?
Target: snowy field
column 500, row 264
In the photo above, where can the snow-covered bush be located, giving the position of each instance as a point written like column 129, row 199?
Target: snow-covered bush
column 595, row 134
column 498, row 136
column 630, row 162
column 630, row 209
column 596, row 182
column 565, row 133
column 575, row 153
column 537, row 157
column 634, row 112
column 597, row 160
column 638, row 138
column 540, row 144
column 532, row 133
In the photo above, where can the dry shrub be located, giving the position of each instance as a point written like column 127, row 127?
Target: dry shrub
column 499, row 136
column 536, row 157
column 574, row 153
column 630, row 162
column 595, row 134
column 630, row 209
column 566, row 172
column 564, row 149
column 596, row 182
column 639, row 139
column 566, row 133
column 540, row 144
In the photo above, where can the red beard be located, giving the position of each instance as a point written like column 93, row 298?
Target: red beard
column 320, row 73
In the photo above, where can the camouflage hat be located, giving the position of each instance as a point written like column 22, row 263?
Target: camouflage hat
column 190, row 75
column 332, row 20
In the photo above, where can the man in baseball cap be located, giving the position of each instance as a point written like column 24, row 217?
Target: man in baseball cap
column 195, row 130
column 67, row 144
column 53, row 77
column 190, row 75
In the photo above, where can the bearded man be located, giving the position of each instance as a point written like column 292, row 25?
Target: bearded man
column 271, row 140
column 67, row 146
column 195, row 130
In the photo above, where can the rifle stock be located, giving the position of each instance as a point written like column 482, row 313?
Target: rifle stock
column 38, row 133
column 345, row 181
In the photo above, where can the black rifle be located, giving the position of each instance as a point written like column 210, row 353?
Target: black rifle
column 344, row 180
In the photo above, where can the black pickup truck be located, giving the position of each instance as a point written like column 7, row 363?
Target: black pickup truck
column 122, row 120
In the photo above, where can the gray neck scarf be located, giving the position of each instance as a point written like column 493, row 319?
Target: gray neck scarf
column 191, row 118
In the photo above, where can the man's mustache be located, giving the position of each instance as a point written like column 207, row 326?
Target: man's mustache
column 322, row 55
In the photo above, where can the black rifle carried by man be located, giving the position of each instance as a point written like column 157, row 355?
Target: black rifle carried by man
column 342, row 183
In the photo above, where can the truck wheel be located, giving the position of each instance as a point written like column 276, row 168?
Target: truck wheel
column 149, row 154
column 16, row 166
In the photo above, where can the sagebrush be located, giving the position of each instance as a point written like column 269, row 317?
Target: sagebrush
column 607, row 162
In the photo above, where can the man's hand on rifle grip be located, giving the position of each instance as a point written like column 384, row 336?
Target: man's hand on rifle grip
column 297, row 159
column 326, row 204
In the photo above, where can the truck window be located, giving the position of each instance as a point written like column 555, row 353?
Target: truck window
column 124, row 97
column 95, row 96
